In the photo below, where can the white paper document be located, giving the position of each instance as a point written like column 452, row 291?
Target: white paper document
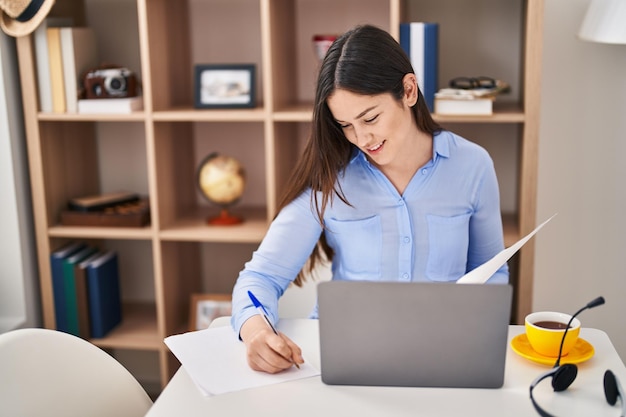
column 215, row 360
column 485, row 271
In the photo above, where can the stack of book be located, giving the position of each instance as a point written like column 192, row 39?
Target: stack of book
column 86, row 289
column 468, row 102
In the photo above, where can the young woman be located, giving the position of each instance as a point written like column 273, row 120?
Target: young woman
column 381, row 190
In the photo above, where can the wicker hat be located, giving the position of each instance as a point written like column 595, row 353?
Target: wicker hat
column 21, row 17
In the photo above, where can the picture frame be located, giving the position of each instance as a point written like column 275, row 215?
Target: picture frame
column 225, row 86
column 204, row 308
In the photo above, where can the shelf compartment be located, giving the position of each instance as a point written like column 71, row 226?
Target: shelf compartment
column 180, row 147
column 183, row 34
column 197, row 267
column 138, row 329
column 292, row 25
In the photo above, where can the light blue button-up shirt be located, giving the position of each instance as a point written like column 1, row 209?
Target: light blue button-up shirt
column 446, row 223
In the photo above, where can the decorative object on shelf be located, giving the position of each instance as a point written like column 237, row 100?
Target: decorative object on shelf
column 110, row 81
column 605, row 22
column 21, row 18
column 222, row 179
column 224, row 86
column 204, row 308
column 321, row 43
column 121, row 209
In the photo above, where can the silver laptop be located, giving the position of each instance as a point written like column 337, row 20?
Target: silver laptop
column 413, row 334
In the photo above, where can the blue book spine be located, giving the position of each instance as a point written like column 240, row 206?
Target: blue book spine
column 103, row 288
column 405, row 38
column 431, row 60
column 58, row 282
column 420, row 41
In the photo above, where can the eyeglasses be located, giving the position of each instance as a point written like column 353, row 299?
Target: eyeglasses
column 471, row 83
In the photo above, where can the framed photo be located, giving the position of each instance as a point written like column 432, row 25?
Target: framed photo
column 225, row 86
column 207, row 307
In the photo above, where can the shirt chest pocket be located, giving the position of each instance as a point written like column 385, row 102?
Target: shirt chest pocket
column 448, row 245
column 358, row 247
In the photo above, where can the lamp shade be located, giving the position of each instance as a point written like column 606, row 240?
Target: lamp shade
column 605, row 22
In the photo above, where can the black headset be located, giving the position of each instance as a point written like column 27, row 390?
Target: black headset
column 564, row 375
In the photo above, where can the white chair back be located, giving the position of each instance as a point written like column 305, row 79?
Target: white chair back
column 50, row 373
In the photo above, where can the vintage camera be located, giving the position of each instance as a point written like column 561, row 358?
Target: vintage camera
column 114, row 82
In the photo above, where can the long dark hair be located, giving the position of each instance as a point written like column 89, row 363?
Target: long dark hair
column 365, row 60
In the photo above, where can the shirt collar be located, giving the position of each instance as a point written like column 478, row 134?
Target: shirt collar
column 441, row 147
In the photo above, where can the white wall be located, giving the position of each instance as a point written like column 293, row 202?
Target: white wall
column 582, row 174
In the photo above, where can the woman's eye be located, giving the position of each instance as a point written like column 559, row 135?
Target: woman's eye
column 370, row 120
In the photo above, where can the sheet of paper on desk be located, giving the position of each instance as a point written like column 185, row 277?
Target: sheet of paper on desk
column 216, row 361
column 485, row 271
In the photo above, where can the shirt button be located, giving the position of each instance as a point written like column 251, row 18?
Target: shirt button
column 407, row 239
column 424, row 171
column 405, row 276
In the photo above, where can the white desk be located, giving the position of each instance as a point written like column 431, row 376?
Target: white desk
column 311, row 397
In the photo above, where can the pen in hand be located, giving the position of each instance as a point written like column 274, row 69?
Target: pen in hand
column 263, row 314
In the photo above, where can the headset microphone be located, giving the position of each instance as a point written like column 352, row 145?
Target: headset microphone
column 564, row 375
column 591, row 304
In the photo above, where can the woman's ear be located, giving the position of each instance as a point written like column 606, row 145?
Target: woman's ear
column 410, row 89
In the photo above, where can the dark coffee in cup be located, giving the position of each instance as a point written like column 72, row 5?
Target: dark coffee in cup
column 555, row 325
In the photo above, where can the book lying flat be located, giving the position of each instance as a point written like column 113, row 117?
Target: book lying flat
column 464, row 106
column 110, row 105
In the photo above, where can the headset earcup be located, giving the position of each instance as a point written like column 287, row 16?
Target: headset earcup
column 610, row 387
column 564, row 376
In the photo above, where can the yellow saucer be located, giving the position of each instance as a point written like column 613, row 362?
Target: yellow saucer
column 581, row 351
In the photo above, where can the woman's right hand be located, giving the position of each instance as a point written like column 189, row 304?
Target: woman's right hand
column 267, row 351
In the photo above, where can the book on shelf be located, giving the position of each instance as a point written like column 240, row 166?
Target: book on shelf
column 40, row 37
column 420, row 41
column 79, row 54
column 110, row 105
column 69, row 280
column 82, row 295
column 102, row 201
column 57, row 84
column 103, row 289
column 464, row 107
column 58, row 282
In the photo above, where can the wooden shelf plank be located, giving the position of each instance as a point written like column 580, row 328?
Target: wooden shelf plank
column 503, row 113
column 140, row 233
column 257, row 114
column 193, row 227
column 138, row 330
column 75, row 117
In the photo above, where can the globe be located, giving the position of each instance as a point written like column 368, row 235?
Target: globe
column 221, row 180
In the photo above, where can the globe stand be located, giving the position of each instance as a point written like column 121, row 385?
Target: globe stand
column 224, row 219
